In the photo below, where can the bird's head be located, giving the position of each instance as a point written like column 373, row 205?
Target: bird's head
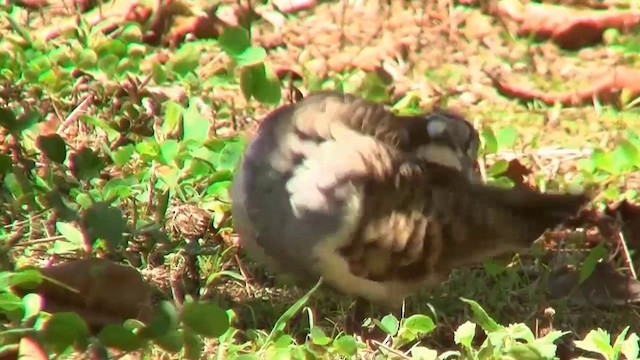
column 447, row 138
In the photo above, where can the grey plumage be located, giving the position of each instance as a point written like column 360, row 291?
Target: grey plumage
column 379, row 205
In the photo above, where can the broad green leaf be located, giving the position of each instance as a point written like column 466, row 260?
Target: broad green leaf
column 346, row 345
column 32, row 304
column 113, row 47
column 103, row 221
column 196, row 126
column 148, row 150
column 48, row 78
column 521, row 332
column 524, row 352
column 283, row 341
column 420, row 324
column 482, row 318
column 168, row 151
column 53, row 147
column 9, row 302
column 5, row 164
column 375, row 88
column 85, row 164
column 63, row 247
column 164, row 320
column 8, row 120
column 247, row 82
column 117, row 188
column 603, row 161
column 631, row 347
column 464, row 334
column 172, row 116
column 206, row 319
column 590, row 262
column 630, row 152
column 172, row 341
column 499, row 167
column 29, row 278
column 251, row 56
column 506, row 137
column 389, row 324
column 220, row 189
column 109, row 65
column 185, row 60
column 193, row 346
column 552, row 336
column 620, row 339
column 86, row 59
column 493, row 267
column 246, row 357
column 260, row 82
column 598, row 341
column 71, row 233
column 489, row 141
column 65, row 329
column 423, row 353
column 234, row 40
column 131, row 33
column 319, row 337
column 158, row 73
column 230, row 155
column 123, row 154
column 118, row 337
column 267, row 87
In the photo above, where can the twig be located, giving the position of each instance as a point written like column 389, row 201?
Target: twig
column 391, row 350
column 542, row 153
column 40, row 241
column 625, row 250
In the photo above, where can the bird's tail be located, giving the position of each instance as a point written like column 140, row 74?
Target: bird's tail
column 485, row 220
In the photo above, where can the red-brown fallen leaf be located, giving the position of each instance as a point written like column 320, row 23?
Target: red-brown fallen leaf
column 569, row 28
column 289, row 6
column 32, row 4
column 606, row 87
column 201, row 27
column 118, row 12
column 104, row 292
column 72, row 5
column 174, row 19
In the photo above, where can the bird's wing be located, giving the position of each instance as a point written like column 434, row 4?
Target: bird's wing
column 428, row 219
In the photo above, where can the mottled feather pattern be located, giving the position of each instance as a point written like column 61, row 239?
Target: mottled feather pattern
column 379, row 205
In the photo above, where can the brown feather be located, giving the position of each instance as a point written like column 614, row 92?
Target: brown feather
column 377, row 204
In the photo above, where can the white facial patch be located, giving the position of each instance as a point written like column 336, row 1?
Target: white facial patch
column 442, row 155
column 436, row 128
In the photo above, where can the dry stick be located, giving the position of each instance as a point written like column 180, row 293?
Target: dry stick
column 543, row 152
column 389, row 349
column 39, row 241
column 625, row 249
column 73, row 115
column 343, row 15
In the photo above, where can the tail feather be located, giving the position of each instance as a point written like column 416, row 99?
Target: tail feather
column 480, row 221
column 546, row 209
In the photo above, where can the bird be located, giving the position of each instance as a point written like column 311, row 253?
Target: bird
column 378, row 205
